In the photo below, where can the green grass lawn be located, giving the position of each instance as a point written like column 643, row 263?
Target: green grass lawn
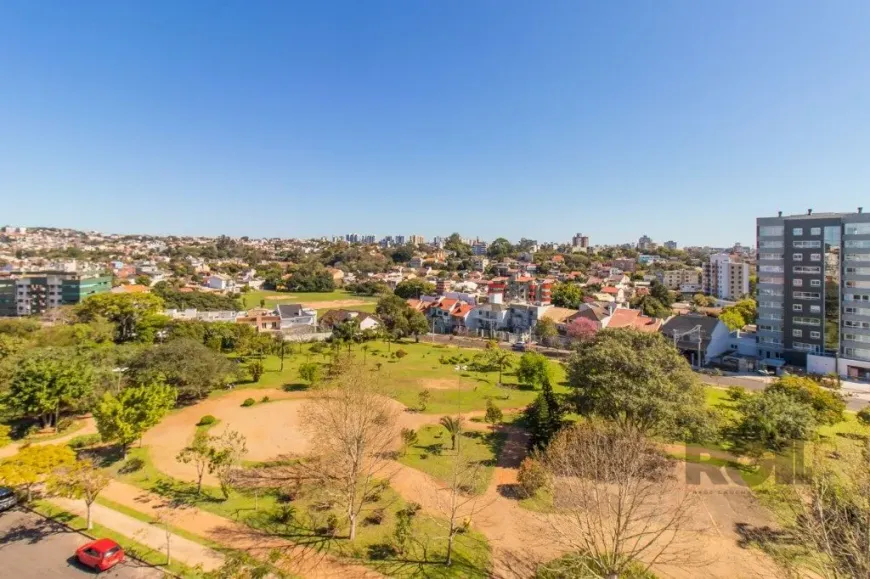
column 451, row 391
column 303, row 519
column 432, row 454
column 252, row 299
column 132, row 547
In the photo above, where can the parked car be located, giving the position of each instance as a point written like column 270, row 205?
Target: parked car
column 7, row 498
column 100, row 555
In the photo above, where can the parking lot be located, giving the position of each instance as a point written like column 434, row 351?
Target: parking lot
column 32, row 546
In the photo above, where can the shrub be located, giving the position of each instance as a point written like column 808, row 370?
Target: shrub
column 206, row 420
column 331, row 526
column 376, row 517
column 5, row 437
column 264, row 399
column 84, row 441
column 381, row 551
column 736, row 393
column 249, row 402
column 401, row 354
column 132, row 465
column 864, row 416
column 532, row 476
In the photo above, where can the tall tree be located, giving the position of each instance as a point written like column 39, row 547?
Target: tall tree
column 567, row 295
column 136, row 316
column 46, row 382
column 199, row 453
column 124, row 418
column 414, row 288
column 827, row 405
column 79, row 480
column 353, row 427
column 546, row 331
column 229, row 448
column 545, row 417
column 453, row 426
column 499, row 248
column 192, row 368
column 639, row 380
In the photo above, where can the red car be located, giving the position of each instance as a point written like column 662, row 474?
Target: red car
column 101, row 554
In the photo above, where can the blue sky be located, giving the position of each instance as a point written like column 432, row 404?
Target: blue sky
column 682, row 120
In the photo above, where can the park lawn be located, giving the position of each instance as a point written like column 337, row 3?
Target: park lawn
column 432, row 454
column 420, row 369
column 472, row 552
column 252, row 299
column 133, row 548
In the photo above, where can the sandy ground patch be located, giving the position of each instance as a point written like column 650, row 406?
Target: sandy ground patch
column 442, row 384
column 272, row 429
column 332, row 304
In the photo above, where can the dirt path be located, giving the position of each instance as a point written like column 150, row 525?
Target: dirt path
column 90, row 427
column 518, row 537
column 188, row 552
column 235, row 535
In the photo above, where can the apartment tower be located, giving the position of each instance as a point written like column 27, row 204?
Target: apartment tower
column 814, row 292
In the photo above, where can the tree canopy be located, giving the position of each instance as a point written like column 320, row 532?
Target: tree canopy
column 567, row 295
column 637, row 379
column 135, row 316
column 192, row 368
column 414, row 288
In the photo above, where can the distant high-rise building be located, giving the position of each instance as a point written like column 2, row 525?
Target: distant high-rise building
column 813, row 292
column 725, row 277
column 478, row 247
column 645, row 243
column 580, row 241
column 417, row 240
column 368, row 238
column 671, row 244
column 438, row 242
column 352, row 238
column 400, row 240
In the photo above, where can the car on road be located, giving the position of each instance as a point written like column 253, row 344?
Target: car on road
column 7, row 498
column 100, row 555
column 519, row 346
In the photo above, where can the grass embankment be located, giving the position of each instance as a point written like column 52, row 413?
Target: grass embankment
column 451, row 390
column 132, row 547
column 433, row 455
column 309, row 518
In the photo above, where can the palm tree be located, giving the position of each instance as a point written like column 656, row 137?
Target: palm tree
column 365, row 349
column 501, row 359
column 453, row 427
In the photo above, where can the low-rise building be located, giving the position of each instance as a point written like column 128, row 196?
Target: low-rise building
column 31, row 293
column 294, row 317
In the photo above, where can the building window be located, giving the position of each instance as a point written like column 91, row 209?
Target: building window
column 806, row 244
column 858, row 270
column 797, row 257
column 774, row 256
column 807, row 269
column 815, row 309
column 857, row 298
column 858, row 257
column 797, row 333
column 815, row 231
column 858, row 229
column 858, row 243
column 854, row 324
column 770, row 244
column 771, row 269
column 802, row 321
column 797, row 231
column 816, row 283
column 804, row 347
column 816, row 335
column 797, row 282
column 771, row 231
column 815, row 257
column 806, row 295
column 858, row 284
column 857, row 311
column 856, row 338
column 797, row 308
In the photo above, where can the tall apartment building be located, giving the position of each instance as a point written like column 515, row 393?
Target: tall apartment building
column 580, row 241
column 478, row 247
column 725, row 277
column 814, row 292
column 400, row 240
column 417, row 240
column 25, row 294
column 670, row 244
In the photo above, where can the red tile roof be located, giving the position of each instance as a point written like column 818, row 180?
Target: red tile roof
column 462, row 310
column 447, row 304
column 609, row 289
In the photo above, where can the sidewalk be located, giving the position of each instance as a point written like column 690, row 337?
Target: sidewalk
column 183, row 550
column 308, row 563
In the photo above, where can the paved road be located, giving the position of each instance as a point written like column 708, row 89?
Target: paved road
column 857, row 397
column 34, row 547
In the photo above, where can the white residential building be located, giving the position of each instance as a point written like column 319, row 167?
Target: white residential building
column 725, row 277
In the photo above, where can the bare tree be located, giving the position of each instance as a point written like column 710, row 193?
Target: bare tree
column 228, row 451
column 618, row 503
column 165, row 519
column 353, row 429
column 832, row 514
column 199, row 452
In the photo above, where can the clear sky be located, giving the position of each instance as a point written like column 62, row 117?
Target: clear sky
column 679, row 119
